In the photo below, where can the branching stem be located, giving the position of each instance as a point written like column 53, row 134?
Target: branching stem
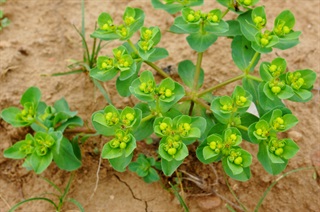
column 253, row 60
column 41, row 124
column 254, row 78
column 198, row 70
column 152, row 65
column 148, row 117
column 241, row 127
column 221, row 84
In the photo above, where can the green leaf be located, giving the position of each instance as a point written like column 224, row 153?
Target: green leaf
column 109, row 152
column 208, row 153
column 66, row 159
column 100, row 123
column 233, row 30
column 75, row 121
column 265, row 102
column 168, row 167
column 14, row 152
column 178, row 93
column 265, row 160
column 206, row 157
column 61, row 105
column 146, row 78
column 126, row 74
column 123, row 85
column 235, row 169
column 288, row 41
column 175, row 7
column 103, row 75
column 103, row 35
column 138, row 16
column 31, row 95
column 247, row 119
column 242, row 53
column 284, row 19
column 290, row 149
column 154, row 54
column 152, row 176
column 144, row 130
column 201, row 42
column 251, row 86
column 180, row 26
column 181, row 153
column 186, row 70
column 40, row 163
column 247, row 26
column 10, row 116
column 244, row 175
column 120, row 163
column 216, row 28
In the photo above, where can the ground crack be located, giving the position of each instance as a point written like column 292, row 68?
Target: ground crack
column 130, row 189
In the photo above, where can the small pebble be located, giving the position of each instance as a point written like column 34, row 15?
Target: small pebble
column 295, row 135
column 209, row 202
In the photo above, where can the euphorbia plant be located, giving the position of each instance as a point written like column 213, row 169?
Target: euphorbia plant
column 181, row 112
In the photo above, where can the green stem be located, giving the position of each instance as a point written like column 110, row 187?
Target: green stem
column 225, row 13
column 152, row 65
column 253, row 60
column 198, row 70
column 41, row 124
column 191, row 108
column 241, row 127
column 199, row 102
column 234, row 194
column 147, row 118
column 254, row 78
column 132, row 46
column 221, row 84
column 275, row 182
column 66, row 190
column 157, row 69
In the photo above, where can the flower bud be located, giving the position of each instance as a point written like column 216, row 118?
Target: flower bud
column 286, row 30
column 172, row 151
column 123, row 145
column 278, row 151
column 238, row 161
column 275, row 89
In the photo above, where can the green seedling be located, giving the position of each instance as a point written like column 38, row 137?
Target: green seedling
column 143, row 167
column 61, row 195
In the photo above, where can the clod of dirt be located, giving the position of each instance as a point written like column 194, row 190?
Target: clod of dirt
column 208, row 202
column 295, row 135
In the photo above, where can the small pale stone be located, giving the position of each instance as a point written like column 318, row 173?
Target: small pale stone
column 295, row 135
column 209, row 202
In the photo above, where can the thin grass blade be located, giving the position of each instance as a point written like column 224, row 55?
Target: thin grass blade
column 33, row 199
column 102, row 90
column 78, row 204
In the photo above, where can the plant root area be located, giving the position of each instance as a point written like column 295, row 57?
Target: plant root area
column 41, row 40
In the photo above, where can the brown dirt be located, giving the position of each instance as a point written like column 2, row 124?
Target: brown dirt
column 39, row 41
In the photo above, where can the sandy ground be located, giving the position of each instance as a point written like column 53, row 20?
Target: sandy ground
column 40, row 40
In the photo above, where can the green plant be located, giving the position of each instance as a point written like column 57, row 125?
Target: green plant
column 180, row 112
column 48, row 142
column 143, row 166
column 4, row 21
column 183, row 113
column 62, row 197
